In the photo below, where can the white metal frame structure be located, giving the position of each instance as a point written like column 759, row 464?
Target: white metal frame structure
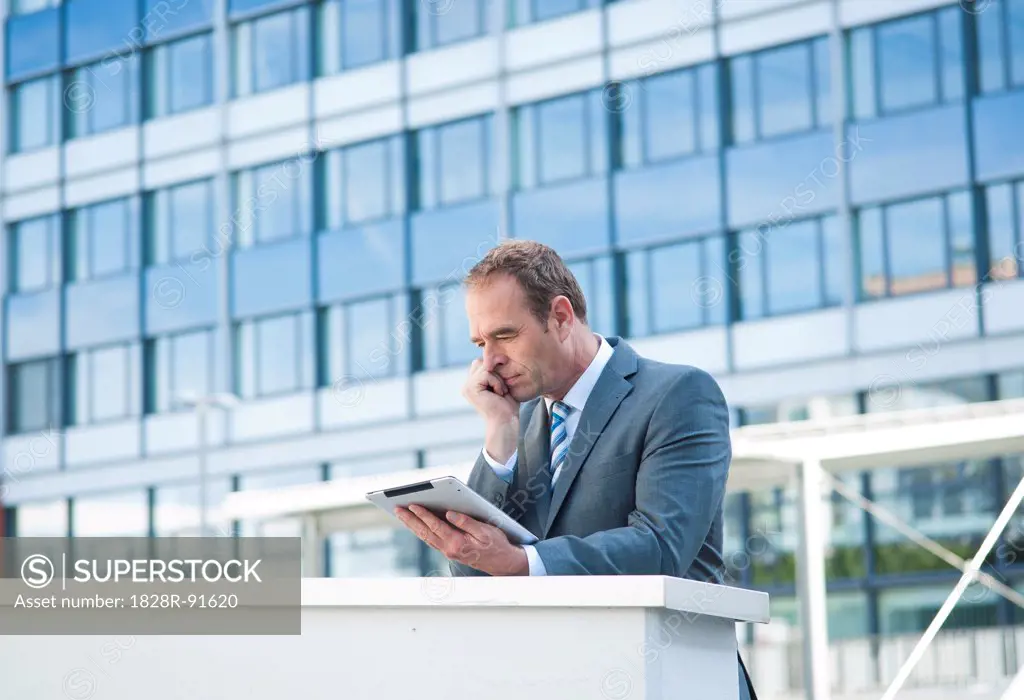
column 806, row 453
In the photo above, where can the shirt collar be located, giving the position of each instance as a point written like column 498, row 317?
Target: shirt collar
column 577, row 396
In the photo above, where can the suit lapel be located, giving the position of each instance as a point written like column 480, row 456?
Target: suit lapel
column 533, row 482
column 612, row 386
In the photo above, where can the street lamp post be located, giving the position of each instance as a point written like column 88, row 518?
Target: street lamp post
column 202, row 404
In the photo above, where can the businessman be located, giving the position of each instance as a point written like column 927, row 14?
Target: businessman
column 617, row 463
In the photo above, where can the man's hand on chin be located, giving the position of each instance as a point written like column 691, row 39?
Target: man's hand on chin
column 467, row 541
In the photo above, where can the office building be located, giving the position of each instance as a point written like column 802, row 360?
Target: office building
column 820, row 202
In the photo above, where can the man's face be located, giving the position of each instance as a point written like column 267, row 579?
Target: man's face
column 526, row 354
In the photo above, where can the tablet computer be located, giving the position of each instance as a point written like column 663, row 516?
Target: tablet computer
column 448, row 493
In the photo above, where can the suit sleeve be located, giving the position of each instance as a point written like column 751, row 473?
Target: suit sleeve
column 680, row 487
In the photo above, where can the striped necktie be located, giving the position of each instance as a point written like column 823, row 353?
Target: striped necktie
column 559, row 435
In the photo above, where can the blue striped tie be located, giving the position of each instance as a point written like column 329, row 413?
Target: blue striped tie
column 559, row 435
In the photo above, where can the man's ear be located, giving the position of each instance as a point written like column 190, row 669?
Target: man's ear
column 562, row 316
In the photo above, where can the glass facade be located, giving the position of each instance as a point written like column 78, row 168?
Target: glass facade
column 700, row 202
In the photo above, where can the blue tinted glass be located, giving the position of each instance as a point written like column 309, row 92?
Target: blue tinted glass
column 835, row 260
column 191, row 368
column 631, row 129
column 108, row 234
column 364, row 32
column 793, row 268
column 34, row 324
column 238, row 6
column 952, row 53
column 33, row 42
column 368, row 330
column 363, row 260
column 669, row 108
column 823, row 80
column 287, row 264
column 742, row 75
column 1015, row 33
column 458, row 350
column 34, row 253
column 95, row 27
column 113, row 86
column 163, row 17
column 191, row 66
column 862, row 68
column 562, row 138
column 637, row 292
column 676, row 271
column 273, row 52
column 668, row 201
column 925, row 151
column 793, row 178
column 463, row 154
column 906, row 55
column 999, row 151
column 277, row 355
column 109, row 383
column 454, row 21
column 594, row 277
column 549, row 9
column 784, row 90
column 191, row 221
column 181, row 296
column 117, row 296
column 447, row 242
column 569, row 218
column 871, row 244
column 1001, row 236
column 366, row 181
column 749, row 258
column 991, row 48
column 707, row 81
column 35, row 122
column 960, row 215
column 275, row 213
column 916, row 246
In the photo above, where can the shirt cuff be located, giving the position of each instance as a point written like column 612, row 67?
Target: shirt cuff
column 536, row 564
column 503, row 471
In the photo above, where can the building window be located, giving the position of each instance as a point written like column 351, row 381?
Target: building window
column 179, row 222
column 528, row 11
column 35, row 114
column 179, row 76
column 34, row 396
column 118, row 514
column 101, row 240
column 274, row 355
column 1005, row 205
column 362, row 183
column 916, row 246
column 272, row 202
column 676, row 287
column 441, row 316
column 439, row 23
column 102, row 96
column 34, row 258
column 270, row 52
column 560, row 139
column 177, row 365
column 907, row 63
column 1001, row 45
column 363, row 339
column 355, row 33
column 102, row 383
column 790, row 268
column 454, row 162
column 782, row 90
column 25, row 7
column 670, row 115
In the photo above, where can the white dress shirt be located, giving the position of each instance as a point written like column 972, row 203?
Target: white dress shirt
column 576, row 398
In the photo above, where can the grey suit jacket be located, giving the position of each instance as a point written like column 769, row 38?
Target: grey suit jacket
column 642, row 488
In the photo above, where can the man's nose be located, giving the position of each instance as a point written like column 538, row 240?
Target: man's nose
column 493, row 360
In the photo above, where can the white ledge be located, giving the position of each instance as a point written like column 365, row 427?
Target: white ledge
column 666, row 592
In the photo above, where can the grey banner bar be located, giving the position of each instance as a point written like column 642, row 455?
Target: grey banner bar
column 137, row 585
